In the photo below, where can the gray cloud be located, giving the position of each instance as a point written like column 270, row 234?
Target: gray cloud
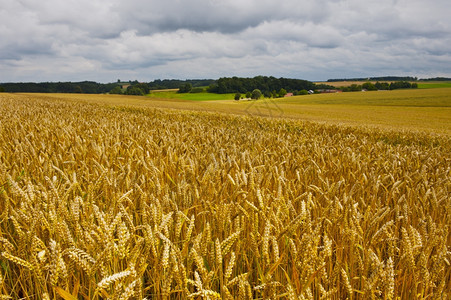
column 106, row 39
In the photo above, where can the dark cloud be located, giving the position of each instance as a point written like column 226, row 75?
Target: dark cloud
column 106, row 39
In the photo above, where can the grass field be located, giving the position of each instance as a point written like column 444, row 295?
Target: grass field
column 434, row 85
column 189, row 96
column 120, row 197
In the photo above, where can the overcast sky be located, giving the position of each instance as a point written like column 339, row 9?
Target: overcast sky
column 106, row 40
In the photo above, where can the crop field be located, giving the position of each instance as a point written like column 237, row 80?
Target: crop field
column 113, row 197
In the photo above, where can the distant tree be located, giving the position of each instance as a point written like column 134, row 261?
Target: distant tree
column 78, row 89
column 267, row 94
column 400, row 85
column 282, row 92
column 185, row 88
column 355, row 87
column 256, row 94
column 2, row 89
column 197, row 90
column 237, row 96
column 116, row 90
column 212, row 88
column 369, row 86
column 143, row 86
column 382, row 85
column 303, row 92
column 414, row 85
column 134, row 90
column 248, row 95
column 345, row 89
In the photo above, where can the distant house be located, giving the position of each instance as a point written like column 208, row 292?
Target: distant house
column 311, row 92
column 288, row 95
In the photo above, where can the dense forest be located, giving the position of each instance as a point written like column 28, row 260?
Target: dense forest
column 263, row 83
column 87, row 87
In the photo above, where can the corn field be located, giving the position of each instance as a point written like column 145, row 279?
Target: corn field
column 109, row 202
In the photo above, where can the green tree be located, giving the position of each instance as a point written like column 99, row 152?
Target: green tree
column 143, row 86
column 78, row 89
column 2, row 89
column 369, row 86
column 256, row 94
column 237, row 96
column 185, row 88
column 267, row 94
column 355, row 87
column 134, row 90
column 197, row 90
column 282, row 92
column 116, row 90
column 248, row 95
column 382, row 85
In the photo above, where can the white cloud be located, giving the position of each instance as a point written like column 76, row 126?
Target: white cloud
column 107, row 39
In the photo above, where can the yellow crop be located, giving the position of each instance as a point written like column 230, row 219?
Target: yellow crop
column 104, row 202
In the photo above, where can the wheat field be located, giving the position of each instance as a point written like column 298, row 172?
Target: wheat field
column 114, row 202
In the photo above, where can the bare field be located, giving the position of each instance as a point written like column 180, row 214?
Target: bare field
column 101, row 199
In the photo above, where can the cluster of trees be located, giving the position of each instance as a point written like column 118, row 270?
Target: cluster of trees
column 379, row 86
column 137, row 88
column 267, row 85
column 2, row 89
column 87, row 87
column 382, row 78
column 188, row 88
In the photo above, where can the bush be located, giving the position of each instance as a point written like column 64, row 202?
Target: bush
column 282, row 93
column 369, row 86
column 256, row 94
column 237, row 96
column 116, row 90
column 197, row 90
column 185, row 88
column 133, row 90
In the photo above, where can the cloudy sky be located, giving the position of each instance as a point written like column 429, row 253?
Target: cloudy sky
column 106, row 40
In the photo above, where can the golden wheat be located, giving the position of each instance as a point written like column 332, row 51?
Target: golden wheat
column 98, row 202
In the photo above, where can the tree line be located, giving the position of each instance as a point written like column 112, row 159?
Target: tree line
column 381, row 78
column 368, row 86
column 267, row 85
column 87, row 87
column 91, row 87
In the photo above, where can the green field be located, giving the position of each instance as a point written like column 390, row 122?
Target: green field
column 434, row 85
column 189, row 96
